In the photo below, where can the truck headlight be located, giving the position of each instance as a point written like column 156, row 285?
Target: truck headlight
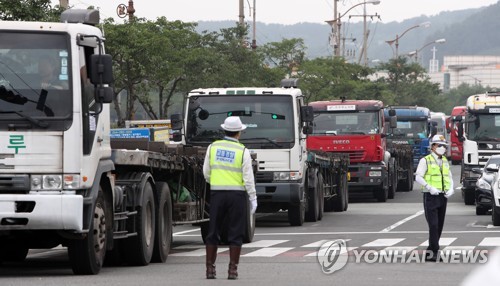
column 287, row 176
column 482, row 184
column 55, row 182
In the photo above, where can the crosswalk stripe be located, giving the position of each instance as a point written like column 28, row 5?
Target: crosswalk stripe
column 399, row 248
column 490, row 241
column 384, row 242
column 268, row 252
column 456, row 247
column 443, row 241
column 321, row 242
column 342, row 252
column 263, row 243
column 198, row 252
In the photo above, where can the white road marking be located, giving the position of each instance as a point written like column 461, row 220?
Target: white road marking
column 320, row 243
column 198, row 252
column 268, row 252
column 400, row 249
column 490, row 241
column 448, row 248
column 383, row 242
column 263, row 243
column 313, row 254
column 358, row 232
column 387, row 229
column 443, row 241
column 186, row 231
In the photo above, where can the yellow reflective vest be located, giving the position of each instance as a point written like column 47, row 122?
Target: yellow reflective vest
column 435, row 176
column 226, row 160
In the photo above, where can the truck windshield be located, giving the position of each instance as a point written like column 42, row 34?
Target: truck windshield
column 269, row 119
column 34, row 81
column 329, row 123
column 484, row 127
column 409, row 129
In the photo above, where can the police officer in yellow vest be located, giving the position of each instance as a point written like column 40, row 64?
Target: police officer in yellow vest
column 228, row 169
column 434, row 176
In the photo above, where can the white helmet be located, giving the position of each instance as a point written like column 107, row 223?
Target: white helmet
column 438, row 139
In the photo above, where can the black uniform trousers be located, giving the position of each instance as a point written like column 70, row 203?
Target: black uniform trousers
column 228, row 212
column 435, row 211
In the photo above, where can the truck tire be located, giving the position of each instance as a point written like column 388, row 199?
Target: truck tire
column 469, row 197
column 138, row 249
column 87, row 255
column 455, row 162
column 339, row 202
column 495, row 215
column 481, row 210
column 345, row 189
column 406, row 184
column 312, row 212
column 250, row 228
column 13, row 253
column 381, row 194
column 296, row 214
column 321, row 197
column 393, row 179
column 164, row 233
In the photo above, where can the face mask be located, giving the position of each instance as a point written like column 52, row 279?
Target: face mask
column 440, row 151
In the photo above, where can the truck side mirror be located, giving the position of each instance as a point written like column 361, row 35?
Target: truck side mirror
column 307, row 129
column 101, row 69
column 458, row 118
column 434, row 131
column 393, row 122
column 392, row 112
column 307, row 114
column 460, row 132
column 176, row 121
column 104, row 94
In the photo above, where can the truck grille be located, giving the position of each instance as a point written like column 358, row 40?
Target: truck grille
column 14, row 184
column 264, row 177
column 357, row 155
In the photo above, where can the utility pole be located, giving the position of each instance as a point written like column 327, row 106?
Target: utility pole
column 336, row 43
column 366, row 32
column 242, row 14
column 130, row 10
column 254, row 38
column 64, row 4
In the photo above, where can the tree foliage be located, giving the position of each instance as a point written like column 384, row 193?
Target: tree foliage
column 29, row 10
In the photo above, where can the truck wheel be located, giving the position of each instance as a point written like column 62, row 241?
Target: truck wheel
column 495, row 215
column 250, row 229
column 296, row 214
column 87, row 255
column 469, row 197
column 340, row 201
column 312, row 203
column 138, row 249
column 393, row 179
column 381, row 194
column 13, row 253
column 481, row 210
column 455, row 162
column 163, row 237
column 321, row 197
column 345, row 190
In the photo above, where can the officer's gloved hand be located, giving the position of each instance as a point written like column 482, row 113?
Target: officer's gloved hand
column 254, row 206
column 449, row 193
column 433, row 191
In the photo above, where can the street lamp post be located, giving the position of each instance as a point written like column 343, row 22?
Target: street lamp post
column 416, row 52
column 396, row 40
column 338, row 23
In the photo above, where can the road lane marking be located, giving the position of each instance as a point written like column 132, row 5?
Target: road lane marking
column 268, row 252
column 186, row 231
column 490, row 241
column 320, row 243
column 383, row 242
column 198, row 252
column 466, row 248
column 442, row 241
column 387, row 229
column 263, row 243
column 313, row 254
column 357, row 232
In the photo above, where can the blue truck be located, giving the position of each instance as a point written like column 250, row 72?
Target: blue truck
column 413, row 128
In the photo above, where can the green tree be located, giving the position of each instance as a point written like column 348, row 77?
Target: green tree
column 287, row 54
column 29, row 10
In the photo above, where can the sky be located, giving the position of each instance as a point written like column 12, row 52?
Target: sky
column 278, row 11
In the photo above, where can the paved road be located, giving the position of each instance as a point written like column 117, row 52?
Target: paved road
column 284, row 255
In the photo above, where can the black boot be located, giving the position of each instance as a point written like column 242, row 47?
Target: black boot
column 234, row 259
column 211, row 251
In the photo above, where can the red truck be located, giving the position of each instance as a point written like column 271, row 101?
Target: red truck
column 356, row 127
column 452, row 128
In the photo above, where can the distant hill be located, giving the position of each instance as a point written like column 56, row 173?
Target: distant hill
column 467, row 32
